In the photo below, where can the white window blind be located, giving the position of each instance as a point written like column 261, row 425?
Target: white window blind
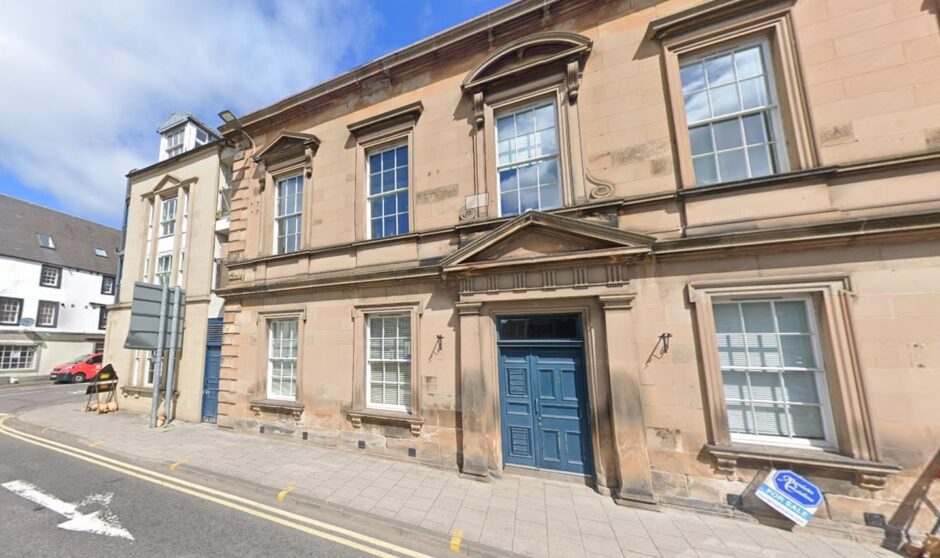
column 388, row 358
column 282, row 359
column 774, row 380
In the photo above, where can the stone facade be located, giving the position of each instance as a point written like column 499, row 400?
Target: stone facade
column 847, row 223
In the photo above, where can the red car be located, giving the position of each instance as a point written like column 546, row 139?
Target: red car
column 78, row 370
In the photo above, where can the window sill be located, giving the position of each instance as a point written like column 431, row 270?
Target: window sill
column 770, row 180
column 868, row 474
column 279, row 406
column 145, row 391
column 414, row 422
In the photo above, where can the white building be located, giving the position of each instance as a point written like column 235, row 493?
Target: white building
column 58, row 279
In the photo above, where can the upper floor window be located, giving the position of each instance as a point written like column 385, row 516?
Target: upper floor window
column 102, row 317
column 201, row 137
column 174, row 141
column 772, row 371
column 168, row 216
column 47, row 315
column 45, row 241
column 164, row 265
column 50, row 276
column 732, row 115
column 107, row 285
column 388, row 192
column 101, row 252
column 10, row 310
column 527, row 159
column 288, row 208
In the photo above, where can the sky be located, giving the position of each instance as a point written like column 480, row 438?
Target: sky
column 86, row 84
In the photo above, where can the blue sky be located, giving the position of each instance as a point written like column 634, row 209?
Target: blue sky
column 87, row 83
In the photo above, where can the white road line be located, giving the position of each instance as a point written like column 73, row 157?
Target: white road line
column 101, row 522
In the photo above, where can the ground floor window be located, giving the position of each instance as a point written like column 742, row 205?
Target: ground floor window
column 17, row 357
column 282, row 359
column 772, row 372
column 388, row 362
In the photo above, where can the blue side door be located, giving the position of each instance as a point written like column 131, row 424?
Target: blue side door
column 210, row 382
column 544, row 408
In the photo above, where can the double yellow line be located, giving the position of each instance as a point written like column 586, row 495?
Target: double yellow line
column 323, row 530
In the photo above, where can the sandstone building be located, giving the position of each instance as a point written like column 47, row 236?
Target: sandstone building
column 660, row 246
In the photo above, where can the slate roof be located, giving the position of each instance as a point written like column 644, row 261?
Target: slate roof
column 74, row 238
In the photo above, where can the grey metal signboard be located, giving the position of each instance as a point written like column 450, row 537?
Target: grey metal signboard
column 142, row 333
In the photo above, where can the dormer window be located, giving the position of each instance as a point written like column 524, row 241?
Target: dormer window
column 174, row 142
column 202, row 137
column 101, row 252
column 45, row 241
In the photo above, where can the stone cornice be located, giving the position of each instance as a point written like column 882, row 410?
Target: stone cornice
column 702, row 15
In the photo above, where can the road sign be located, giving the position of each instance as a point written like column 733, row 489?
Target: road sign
column 143, row 330
column 794, row 497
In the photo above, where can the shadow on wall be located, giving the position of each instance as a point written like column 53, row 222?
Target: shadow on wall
column 916, row 507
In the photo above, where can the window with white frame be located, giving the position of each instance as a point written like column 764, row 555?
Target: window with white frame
column 732, row 115
column 174, row 141
column 45, row 241
column 168, row 216
column 17, row 357
column 47, row 314
column 288, row 209
column 164, row 266
column 10, row 310
column 107, row 285
column 202, row 137
column 101, row 252
column 282, row 359
column 772, row 370
column 388, row 362
column 50, row 276
column 388, row 192
column 527, row 159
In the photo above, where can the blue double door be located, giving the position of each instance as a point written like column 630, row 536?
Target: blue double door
column 544, row 405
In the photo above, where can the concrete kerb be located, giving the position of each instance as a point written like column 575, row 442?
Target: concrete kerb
column 296, row 502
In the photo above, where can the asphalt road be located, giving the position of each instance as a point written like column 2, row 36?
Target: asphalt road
column 162, row 521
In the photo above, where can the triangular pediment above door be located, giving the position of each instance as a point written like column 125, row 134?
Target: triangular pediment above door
column 537, row 236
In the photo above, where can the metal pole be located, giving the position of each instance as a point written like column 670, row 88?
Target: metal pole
column 158, row 364
column 171, row 365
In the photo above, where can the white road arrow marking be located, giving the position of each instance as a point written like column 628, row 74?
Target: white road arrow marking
column 101, row 522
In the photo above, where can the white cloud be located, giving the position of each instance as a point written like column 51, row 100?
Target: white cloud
column 85, row 84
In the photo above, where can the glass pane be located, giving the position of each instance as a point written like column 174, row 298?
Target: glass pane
column 548, row 144
column 725, row 100
column 765, row 386
column 719, row 70
column 753, row 93
column 732, row 166
column 377, row 228
column 791, row 317
column 727, row 318
column 505, row 150
column 728, row 134
column 759, row 159
column 807, row 422
column 525, row 148
column 548, row 171
column 401, row 177
column 545, row 117
column 731, row 349
column 528, row 199
column 376, row 393
column 735, row 383
column 388, row 181
column 508, row 180
column 401, row 156
column 693, row 77
column 388, row 160
column 551, row 196
column 748, row 62
column 512, row 329
column 771, row 420
column 798, row 351
column 525, row 122
column 377, row 207
column 701, row 139
column 696, row 106
column 402, row 202
column 763, row 350
column 528, row 176
column 705, row 171
column 509, row 203
column 801, row 386
column 740, row 418
column 504, row 127
column 754, row 129
column 402, row 223
column 389, row 205
column 389, row 225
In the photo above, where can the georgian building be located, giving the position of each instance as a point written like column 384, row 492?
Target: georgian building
column 57, row 281
column 176, row 226
column 658, row 247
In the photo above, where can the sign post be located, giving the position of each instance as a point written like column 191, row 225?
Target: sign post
column 791, row 495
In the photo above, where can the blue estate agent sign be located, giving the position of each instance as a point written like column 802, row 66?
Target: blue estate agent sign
column 790, row 494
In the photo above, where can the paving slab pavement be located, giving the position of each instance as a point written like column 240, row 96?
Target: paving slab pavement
column 516, row 514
